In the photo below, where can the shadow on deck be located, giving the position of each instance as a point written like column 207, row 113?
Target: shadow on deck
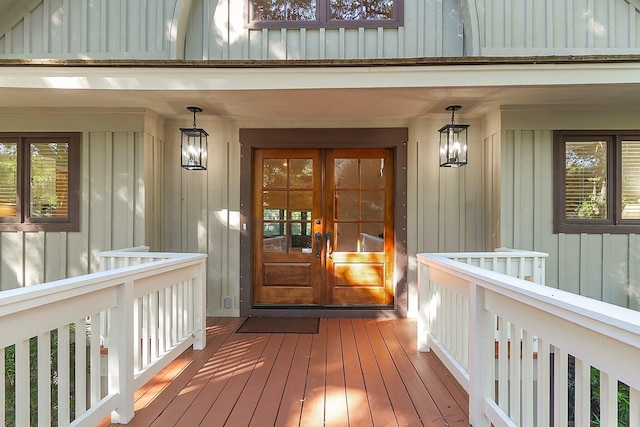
column 355, row 372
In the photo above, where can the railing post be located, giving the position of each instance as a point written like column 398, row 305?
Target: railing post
column 200, row 310
column 423, row 306
column 481, row 356
column 120, row 363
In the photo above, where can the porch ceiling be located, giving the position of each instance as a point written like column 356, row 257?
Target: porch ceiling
column 321, row 94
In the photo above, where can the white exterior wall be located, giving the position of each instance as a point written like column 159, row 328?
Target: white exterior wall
column 445, row 206
column 119, row 198
column 557, row 27
column 215, row 30
column 602, row 266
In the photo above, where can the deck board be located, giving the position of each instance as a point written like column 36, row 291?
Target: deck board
column 358, row 372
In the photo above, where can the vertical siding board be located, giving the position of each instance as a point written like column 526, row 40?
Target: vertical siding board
column 11, row 264
column 516, row 192
column 142, row 20
column 437, row 30
column 138, row 189
column 549, row 24
column 123, row 26
column 26, row 38
column 591, row 265
column 615, row 269
column 100, row 163
column 507, row 189
column 633, row 286
column 231, row 274
column 78, row 243
column 46, row 47
column 322, row 43
column 34, row 259
column 529, row 23
column 104, row 34
column 77, row 28
column 302, row 43
column 611, row 24
column 65, row 26
column 525, row 190
column 55, row 250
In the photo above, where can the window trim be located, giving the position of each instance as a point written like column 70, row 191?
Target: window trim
column 22, row 222
column 322, row 19
column 614, row 224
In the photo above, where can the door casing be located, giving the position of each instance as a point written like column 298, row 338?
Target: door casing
column 331, row 138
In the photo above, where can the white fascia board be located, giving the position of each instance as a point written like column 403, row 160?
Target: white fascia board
column 189, row 79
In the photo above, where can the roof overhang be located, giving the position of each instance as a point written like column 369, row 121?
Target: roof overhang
column 322, row 90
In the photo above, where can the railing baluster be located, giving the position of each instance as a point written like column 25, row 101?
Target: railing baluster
column 80, row 367
column 560, row 387
column 153, row 326
column 137, row 356
column 64, row 386
column 528, row 409
column 2, row 388
column 514, row 373
column 94, row 359
column 608, row 400
column 634, row 407
column 544, row 384
column 22, row 372
column 503, row 364
column 145, row 333
column 582, row 393
column 44, row 379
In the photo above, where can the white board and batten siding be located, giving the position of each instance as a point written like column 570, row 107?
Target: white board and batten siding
column 213, row 30
column 557, row 27
column 120, row 195
column 202, row 210
column 216, row 30
column 602, row 266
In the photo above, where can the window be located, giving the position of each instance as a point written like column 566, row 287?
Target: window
column 324, row 13
column 596, row 182
column 39, row 181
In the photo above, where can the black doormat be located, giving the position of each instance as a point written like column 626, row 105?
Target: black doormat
column 279, row 325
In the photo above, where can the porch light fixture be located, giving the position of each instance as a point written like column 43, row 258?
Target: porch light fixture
column 453, row 142
column 193, row 145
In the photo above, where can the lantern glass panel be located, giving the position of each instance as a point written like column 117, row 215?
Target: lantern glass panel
column 194, row 148
column 453, row 145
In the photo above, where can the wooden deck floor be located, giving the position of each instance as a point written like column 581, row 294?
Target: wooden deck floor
column 357, row 372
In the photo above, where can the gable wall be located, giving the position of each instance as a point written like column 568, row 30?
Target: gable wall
column 215, row 30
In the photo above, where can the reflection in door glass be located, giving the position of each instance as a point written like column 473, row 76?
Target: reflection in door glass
column 274, row 173
column 359, row 205
column 346, row 173
column 300, row 173
column 287, row 204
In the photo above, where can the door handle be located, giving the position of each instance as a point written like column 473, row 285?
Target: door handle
column 329, row 244
column 318, row 239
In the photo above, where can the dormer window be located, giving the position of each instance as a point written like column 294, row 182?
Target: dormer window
column 324, row 13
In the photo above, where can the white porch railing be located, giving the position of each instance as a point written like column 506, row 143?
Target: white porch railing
column 51, row 337
column 537, row 369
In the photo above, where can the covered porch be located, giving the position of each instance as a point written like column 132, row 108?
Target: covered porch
column 353, row 372
column 456, row 364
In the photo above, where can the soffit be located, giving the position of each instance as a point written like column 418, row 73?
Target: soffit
column 322, row 94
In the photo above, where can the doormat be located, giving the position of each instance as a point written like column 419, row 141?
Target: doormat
column 279, row 325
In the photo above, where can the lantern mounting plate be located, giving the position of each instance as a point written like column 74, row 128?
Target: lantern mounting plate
column 453, row 107
column 195, row 109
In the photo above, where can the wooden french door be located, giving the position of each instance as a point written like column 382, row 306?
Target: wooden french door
column 324, row 227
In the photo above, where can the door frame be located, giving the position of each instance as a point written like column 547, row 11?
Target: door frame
column 291, row 138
